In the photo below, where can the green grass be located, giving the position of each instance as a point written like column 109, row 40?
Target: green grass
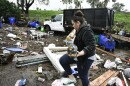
column 123, row 17
column 42, row 15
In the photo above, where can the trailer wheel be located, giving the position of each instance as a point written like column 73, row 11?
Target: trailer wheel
column 47, row 28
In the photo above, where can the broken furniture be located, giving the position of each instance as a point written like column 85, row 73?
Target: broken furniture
column 54, row 54
column 8, row 54
column 37, row 34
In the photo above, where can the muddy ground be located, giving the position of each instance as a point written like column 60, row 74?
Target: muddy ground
column 9, row 73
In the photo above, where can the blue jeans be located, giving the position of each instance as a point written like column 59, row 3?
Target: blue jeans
column 83, row 69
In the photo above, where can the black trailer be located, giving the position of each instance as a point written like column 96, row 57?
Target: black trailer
column 99, row 18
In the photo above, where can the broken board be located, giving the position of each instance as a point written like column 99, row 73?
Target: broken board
column 102, row 80
column 29, row 60
column 54, row 54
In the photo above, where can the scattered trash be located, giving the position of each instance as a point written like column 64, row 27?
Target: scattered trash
column 42, row 29
column 21, row 82
column 48, row 75
column 51, row 45
column 63, row 82
column 95, row 67
column 18, row 44
column 11, row 35
column 118, row 61
column 98, row 57
column 115, row 80
column 16, row 50
column 109, row 65
column 34, row 53
column 9, row 29
column 41, row 79
column 126, row 84
column 39, row 69
column 119, row 67
column 127, row 72
column 6, row 51
column 57, row 39
column 51, row 33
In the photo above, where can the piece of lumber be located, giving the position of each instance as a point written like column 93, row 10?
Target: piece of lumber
column 101, row 79
column 114, row 75
column 112, row 55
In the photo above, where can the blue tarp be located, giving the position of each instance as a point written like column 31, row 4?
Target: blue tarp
column 110, row 45
column 104, row 41
column 15, row 49
column 34, row 24
column 11, row 20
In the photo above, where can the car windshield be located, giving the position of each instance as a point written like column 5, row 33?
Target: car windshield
column 58, row 18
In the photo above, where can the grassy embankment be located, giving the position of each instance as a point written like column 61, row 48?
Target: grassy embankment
column 42, row 15
column 123, row 17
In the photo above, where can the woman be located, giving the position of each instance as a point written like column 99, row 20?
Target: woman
column 85, row 41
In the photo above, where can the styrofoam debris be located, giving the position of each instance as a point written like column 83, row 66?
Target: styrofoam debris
column 109, row 65
column 127, row 72
column 98, row 57
column 63, row 82
column 118, row 60
column 40, row 69
column 115, row 80
column 51, row 45
column 41, row 79
column 11, row 35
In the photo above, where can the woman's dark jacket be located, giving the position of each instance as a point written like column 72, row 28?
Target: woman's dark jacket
column 85, row 40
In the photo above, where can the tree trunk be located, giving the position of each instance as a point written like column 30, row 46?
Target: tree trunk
column 27, row 13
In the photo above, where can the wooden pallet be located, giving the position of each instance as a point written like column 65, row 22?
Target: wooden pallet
column 123, row 38
column 104, row 78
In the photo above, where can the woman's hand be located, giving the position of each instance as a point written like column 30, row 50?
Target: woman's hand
column 81, row 53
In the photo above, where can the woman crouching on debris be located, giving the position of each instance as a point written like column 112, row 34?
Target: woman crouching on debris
column 85, row 42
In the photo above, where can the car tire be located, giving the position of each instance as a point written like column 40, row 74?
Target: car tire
column 47, row 28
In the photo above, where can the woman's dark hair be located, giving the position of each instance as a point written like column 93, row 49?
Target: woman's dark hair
column 78, row 16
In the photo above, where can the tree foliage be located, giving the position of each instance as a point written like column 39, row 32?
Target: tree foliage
column 98, row 3
column 118, row 6
column 26, row 4
column 93, row 3
column 67, row 1
column 76, row 2
column 8, row 9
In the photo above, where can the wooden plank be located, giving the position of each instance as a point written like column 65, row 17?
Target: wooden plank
column 101, row 79
column 123, row 38
column 112, row 55
column 105, row 83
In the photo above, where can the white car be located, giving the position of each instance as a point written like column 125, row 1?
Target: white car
column 56, row 24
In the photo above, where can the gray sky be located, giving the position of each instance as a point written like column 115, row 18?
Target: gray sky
column 57, row 4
